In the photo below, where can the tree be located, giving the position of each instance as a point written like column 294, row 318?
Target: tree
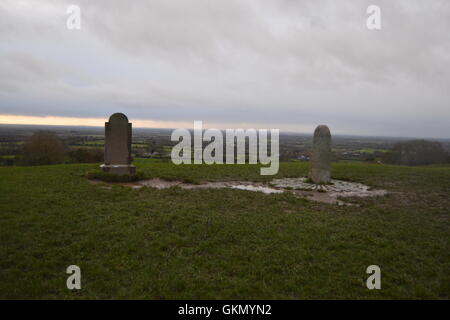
column 416, row 152
column 42, row 148
column 81, row 155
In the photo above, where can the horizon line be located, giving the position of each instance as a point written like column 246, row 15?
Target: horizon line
column 8, row 119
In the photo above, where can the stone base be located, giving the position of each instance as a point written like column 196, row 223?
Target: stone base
column 319, row 176
column 119, row 169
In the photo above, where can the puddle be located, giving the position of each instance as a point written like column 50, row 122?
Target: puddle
column 336, row 188
column 327, row 193
column 298, row 186
column 257, row 188
column 164, row 184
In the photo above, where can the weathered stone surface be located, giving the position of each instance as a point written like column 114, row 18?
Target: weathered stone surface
column 319, row 166
column 118, row 145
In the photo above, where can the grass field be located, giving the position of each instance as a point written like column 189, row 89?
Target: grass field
column 231, row 244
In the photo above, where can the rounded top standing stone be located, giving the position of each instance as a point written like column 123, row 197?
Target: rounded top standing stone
column 322, row 131
column 118, row 134
column 118, row 117
column 319, row 171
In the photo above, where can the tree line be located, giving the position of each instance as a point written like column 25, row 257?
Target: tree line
column 45, row 148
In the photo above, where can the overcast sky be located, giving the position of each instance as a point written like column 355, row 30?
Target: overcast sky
column 287, row 64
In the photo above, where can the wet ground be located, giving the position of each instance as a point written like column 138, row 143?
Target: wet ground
column 329, row 193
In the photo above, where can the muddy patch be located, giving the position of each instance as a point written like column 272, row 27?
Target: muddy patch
column 242, row 185
column 298, row 186
column 164, row 184
column 328, row 193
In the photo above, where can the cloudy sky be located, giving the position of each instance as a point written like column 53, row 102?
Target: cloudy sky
column 287, row 64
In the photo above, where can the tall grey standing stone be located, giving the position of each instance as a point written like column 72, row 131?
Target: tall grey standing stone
column 319, row 166
column 118, row 146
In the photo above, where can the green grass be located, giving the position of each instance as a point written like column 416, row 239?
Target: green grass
column 371, row 150
column 97, row 174
column 167, row 149
column 232, row 244
column 94, row 142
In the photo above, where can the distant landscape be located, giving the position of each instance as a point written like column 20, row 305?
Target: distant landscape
column 155, row 143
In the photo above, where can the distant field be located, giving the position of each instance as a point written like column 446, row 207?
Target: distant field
column 371, row 150
column 232, row 244
column 101, row 143
column 95, row 142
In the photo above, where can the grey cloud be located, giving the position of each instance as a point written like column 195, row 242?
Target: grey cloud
column 278, row 62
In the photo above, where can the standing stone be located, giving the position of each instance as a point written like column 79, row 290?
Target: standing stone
column 118, row 146
column 319, row 166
